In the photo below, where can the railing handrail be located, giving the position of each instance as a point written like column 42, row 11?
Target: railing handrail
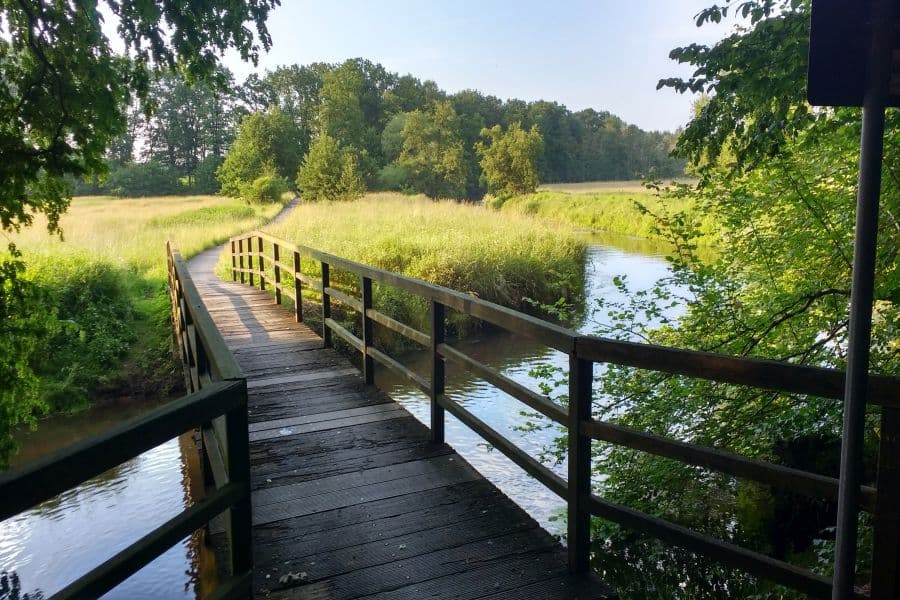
column 217, row 394
column 884, row 390
column 583, row 352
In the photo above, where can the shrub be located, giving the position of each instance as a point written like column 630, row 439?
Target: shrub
column 143, row 179
column 266, row 188
column 89, row 320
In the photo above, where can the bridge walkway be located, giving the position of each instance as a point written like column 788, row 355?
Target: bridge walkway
column 350, row 497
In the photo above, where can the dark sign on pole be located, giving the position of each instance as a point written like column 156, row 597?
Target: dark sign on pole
column 839, row 42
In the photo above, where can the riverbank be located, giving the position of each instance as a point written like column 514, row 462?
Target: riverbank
column 97, row 323
column 515, row 261
column 626, row 210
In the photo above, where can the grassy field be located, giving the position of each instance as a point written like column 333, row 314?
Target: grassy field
column 101, row 326
column 500, row 258
column 587, row 187
column 611, row 209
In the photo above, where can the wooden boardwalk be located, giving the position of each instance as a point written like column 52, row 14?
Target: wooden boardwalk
column 350, row 497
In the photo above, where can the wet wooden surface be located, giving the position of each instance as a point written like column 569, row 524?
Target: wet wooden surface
column 350, row 498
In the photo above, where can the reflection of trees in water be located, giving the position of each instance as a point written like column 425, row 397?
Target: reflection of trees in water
column 11, row 588
column 111, row 482
column 202, row 572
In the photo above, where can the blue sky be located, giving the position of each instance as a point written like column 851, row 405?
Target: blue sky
column 601, row 54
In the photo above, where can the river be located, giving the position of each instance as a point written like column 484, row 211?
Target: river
column 608, row 256
column 50, row 545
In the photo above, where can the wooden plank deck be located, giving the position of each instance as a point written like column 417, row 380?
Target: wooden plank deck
column 350, row 498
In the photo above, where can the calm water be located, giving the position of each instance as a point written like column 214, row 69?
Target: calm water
column 515, row 356
column 53, row 544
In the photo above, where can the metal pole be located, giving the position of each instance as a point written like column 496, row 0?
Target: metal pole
column 861, row 296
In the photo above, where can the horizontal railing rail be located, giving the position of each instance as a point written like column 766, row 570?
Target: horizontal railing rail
column 253, row 252
column 217, row 393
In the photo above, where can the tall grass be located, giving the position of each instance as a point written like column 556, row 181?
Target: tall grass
column 102, row 289
column 612, row 211
column 507, row 259
column 132, row 233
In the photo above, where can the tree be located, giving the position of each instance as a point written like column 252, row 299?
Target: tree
column 330, row 172
column 780, row 179
column 432, row 152
column 266, row 143
column 61, row 105
column 509, row 161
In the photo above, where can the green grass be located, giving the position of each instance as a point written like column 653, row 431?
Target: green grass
column 499, row 258
column 103, row 289
column 612, row 210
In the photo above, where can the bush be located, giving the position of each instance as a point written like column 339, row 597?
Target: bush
column 89, row 317
column 267, row 188
column 143, row 179
column 394, row 177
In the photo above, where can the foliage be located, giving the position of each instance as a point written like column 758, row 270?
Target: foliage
column 265, row 188
column 204, row 176
column 432, row 152
column 464, row 247
column 754, row 81
column 61, row 106
column 778, row 290
column 640, row 213
column 90, row 313
column 55, row 58
column 265, row 143
column 143, row 179
column 509, row 161
column 330, row 172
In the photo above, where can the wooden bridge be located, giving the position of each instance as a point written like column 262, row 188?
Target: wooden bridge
column 323, row 487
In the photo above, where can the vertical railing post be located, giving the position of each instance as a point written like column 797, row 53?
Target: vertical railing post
column 437, row 372
column 233, row 263
column 261, row 264
column 886, row 542
column 241, row 257
column 326, row 305
column 298, row 289
column 275, row 259
column 581, row 375
column 238, row 461
column 250, row 261
column 367, row 332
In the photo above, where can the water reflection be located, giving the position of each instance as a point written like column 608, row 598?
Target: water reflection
column 516, row 357
column 54, row 543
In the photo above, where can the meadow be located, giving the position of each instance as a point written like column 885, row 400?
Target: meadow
column 103, row 324
column 514, row 260
column 612, row 208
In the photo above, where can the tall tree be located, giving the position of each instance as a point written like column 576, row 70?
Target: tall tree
column 265, row 144
column 509, row 162
column 432, row 152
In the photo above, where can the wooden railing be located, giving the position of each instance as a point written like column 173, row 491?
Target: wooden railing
column 218, row 394
column 263, row 260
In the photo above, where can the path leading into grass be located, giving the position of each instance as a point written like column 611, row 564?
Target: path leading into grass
column 350, row 497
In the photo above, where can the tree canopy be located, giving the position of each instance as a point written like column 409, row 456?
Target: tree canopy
column 509, row 161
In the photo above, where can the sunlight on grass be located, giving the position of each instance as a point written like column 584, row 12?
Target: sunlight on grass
column 132, row 233
column 612, row 210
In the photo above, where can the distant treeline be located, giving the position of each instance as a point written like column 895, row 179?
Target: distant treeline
column 186, row 138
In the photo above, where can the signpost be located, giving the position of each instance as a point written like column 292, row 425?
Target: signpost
column 850, row 64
